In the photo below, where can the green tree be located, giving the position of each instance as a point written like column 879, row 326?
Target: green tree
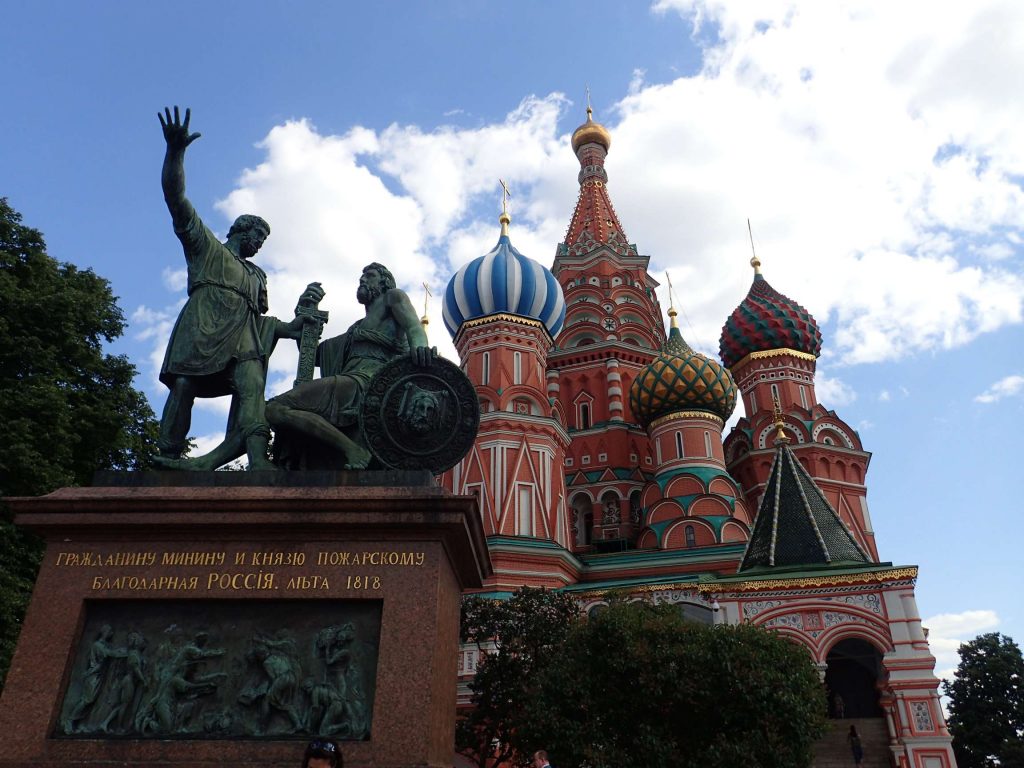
column 67, row 408
column 517, row 639
column 986, row 703
column 641, row 687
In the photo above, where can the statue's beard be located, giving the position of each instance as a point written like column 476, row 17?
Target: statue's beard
column 366, row 295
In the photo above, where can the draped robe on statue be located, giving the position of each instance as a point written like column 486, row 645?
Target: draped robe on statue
column 347, row 364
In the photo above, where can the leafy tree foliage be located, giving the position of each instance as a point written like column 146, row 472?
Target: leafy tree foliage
column 641, row 687
column 67, row 408
column 518, row 638
column 986, row 703
column 635, row 685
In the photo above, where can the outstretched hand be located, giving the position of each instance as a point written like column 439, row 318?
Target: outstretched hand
column 176, row 132
column 422, row 355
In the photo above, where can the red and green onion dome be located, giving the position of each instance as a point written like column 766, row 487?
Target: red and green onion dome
column 765, row 320
column 680, row 379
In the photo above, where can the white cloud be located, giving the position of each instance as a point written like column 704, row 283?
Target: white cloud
column 947, row 631
column 869, row 158
column 877, row 157
column 1005, row 387
column 174, row 279
column 884, row 396
column 832, row 392
column 206, row 443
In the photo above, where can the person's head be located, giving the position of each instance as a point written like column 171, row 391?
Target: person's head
column 853, row 730
column 323, row 753
column 251, row 231
column 375, row 280
column 540, row 758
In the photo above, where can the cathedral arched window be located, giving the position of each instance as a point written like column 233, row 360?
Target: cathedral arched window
column 486, row 366
column 691, row 539
column 680, row 453
column 524, row 510
column 517, row 367
column 707, row 444
column 584, row 417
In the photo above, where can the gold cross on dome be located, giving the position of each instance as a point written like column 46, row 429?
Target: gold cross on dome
column 505, row 195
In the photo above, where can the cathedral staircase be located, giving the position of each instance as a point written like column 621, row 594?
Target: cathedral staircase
column 833, row 750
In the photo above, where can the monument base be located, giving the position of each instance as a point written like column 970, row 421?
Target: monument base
column 228, row 623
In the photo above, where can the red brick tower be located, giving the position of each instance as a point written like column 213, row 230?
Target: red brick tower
column 771, row 344
column 613, row 328
column 502, row 310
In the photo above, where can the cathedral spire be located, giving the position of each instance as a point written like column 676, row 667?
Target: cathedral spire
column 594, row 222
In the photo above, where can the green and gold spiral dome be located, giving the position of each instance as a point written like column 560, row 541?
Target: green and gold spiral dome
column 680, row 379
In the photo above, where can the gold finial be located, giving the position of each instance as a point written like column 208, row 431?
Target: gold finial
column 754, row 261
column 425, row 321
column 590, row 132
column 780, row 434
column 673, row 323
column 505, row 219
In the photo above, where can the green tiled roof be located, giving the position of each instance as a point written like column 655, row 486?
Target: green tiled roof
column 795, row 524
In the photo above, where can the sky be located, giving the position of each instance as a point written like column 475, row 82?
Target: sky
column 875, row 147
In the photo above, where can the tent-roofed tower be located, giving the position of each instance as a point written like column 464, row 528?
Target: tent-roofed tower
column 613, row 328
column 805, row 576
column 771, row 345
column 796, row 525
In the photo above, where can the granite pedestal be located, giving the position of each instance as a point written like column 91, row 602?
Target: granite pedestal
column 223, row 618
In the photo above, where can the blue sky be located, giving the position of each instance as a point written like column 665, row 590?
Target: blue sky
column 877, row 151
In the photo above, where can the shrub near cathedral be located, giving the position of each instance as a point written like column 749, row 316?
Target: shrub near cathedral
column 638, row 686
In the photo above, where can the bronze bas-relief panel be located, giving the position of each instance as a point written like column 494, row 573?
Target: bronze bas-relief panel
column 223, row 669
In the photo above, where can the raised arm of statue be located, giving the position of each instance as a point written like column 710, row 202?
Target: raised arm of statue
column 173, row 175
column 405, row 315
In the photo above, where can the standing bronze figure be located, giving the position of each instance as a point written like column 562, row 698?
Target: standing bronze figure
column 222, row 340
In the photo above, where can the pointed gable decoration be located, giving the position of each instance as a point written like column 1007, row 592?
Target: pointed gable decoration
column 578, row 478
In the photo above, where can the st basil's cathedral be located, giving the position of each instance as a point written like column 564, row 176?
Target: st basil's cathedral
column 601, row 465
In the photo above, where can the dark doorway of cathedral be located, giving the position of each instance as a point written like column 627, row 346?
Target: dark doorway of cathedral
column 851, row 679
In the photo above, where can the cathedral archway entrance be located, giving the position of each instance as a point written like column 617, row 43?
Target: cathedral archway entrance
column 851, row 678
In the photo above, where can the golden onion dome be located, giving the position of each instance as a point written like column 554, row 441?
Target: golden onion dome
column 591, row 133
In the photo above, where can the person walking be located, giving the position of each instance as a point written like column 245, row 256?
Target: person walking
column 855, row 746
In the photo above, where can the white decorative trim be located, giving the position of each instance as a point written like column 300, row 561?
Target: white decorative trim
column 827, row 425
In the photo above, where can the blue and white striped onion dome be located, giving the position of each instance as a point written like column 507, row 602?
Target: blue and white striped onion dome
column 503, row 281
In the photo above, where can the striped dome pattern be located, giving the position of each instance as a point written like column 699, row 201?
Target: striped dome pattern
column 504, row 281
column 680, row 379
column 765, row 320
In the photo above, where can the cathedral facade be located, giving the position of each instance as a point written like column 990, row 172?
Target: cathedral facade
column 601, row 465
